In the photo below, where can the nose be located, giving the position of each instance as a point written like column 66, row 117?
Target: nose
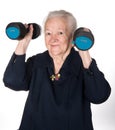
column 54, row 38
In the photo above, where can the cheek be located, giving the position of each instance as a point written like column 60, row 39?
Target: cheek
column 66, row 43
column 46, row 41
column 65, row 46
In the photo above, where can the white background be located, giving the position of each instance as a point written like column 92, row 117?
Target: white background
column 98, row 15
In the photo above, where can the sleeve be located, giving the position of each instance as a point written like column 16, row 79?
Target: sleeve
column 97, row 88
column 18, row 73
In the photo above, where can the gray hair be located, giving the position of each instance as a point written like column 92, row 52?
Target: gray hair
column 72, row 23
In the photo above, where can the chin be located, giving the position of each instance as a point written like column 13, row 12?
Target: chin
column 55, row 53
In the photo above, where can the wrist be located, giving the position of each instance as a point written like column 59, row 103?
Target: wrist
column 86, row 58
column 21, row 48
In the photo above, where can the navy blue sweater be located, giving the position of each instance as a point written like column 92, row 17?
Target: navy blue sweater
column 62, row 104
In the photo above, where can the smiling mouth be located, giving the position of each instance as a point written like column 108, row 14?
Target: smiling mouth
column 54, row 45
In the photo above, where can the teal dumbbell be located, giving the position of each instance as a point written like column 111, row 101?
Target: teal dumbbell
column 83, row 39
column 17, row 30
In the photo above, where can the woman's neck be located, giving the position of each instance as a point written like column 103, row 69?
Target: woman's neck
column 59, row 60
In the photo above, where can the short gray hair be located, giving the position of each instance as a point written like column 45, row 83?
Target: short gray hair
column 72, row 23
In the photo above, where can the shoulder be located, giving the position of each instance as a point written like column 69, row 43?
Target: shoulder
column 74, row 62
column 39, row 59
column 75, row 56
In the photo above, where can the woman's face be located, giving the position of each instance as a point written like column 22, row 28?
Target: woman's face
column 57, row 36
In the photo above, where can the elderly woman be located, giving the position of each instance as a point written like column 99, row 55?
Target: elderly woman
column 62, row 81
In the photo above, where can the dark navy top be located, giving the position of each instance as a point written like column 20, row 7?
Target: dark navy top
column 62, row 104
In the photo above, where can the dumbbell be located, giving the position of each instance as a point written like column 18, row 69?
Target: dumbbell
column 17, row 30
column 83, row 39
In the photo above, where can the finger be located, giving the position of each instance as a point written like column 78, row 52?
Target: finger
column 30, row 30
column 29, row 35
column 26, row 25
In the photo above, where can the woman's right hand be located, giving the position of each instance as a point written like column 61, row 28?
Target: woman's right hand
column 23, row 43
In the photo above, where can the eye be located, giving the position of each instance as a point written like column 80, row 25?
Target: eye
column 61, row 33
column 48, row 33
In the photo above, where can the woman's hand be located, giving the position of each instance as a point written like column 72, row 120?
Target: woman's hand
column 23, row 43
column 86, row 58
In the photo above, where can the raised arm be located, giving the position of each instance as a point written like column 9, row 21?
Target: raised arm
column 18, row 72
column 97, row 88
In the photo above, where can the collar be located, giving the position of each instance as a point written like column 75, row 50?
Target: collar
column 70, row 67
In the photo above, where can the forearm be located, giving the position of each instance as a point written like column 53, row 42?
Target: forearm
column 97, row 88
column 14, row 75
column 21, row 48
